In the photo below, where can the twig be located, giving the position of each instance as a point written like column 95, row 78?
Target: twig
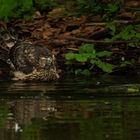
column 115, row 21
column 100, row 41
column 99, row 32
column 73, row 49
column 96, row 24
column 132, row 8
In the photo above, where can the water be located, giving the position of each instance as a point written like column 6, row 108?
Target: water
column 103, row 108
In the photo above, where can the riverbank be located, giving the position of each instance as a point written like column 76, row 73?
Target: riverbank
column 64, row 34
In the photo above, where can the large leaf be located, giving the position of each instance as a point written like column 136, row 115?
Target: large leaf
column 82, row 57
column 70, row 56
column 104, row 54
column 87, row 48
column 106, row 67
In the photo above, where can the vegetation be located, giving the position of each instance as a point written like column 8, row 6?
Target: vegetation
column 96, row 7
column 88, row 55
column 88, row 58
column 13, row 8
column 124, row 33
column 26, row 8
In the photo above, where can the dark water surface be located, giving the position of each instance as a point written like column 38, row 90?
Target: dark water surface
column 103, row 108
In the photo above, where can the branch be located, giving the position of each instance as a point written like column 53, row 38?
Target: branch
column 101, row 41
column 115, row 21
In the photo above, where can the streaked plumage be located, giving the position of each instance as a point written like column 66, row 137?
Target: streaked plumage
column 28, row 61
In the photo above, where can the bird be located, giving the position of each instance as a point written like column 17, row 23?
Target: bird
column 28, row 62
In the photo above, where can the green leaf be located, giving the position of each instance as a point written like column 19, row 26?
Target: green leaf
column 93, row 56
column 125, row 63
column 112, row 27
column 92, row 61
column 87, row 48
column 70, row 56
column 111, row 8
column 81, row 57
column 84, row 72
column 106, row 67
column 104, row 54
column 127, row 33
